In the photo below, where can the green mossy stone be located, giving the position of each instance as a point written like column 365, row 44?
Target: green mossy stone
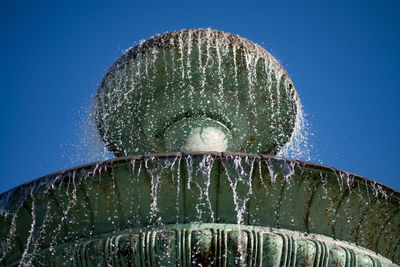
column 200, row 75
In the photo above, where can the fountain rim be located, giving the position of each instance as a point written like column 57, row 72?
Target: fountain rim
column 123, row 160
column 157, row 41
column 88, row 170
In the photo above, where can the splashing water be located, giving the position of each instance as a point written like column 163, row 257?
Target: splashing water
column 199, row 181
column 240, row 180
column 298, row 146
column 89, row 146
column 261, row 190
column 150, row 101
column 196, row 79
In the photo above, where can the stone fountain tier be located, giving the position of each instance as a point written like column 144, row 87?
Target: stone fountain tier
column 199, row 90
column 196, row 90
column 201, row 208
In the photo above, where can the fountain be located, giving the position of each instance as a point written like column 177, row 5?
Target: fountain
column 206, row 112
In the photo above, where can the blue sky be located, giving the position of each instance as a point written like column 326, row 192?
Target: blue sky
column 343, row 57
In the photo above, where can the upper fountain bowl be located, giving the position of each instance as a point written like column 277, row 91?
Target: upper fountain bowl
column 196, row 90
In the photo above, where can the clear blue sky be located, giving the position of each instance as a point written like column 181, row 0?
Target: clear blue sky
column 343, row 57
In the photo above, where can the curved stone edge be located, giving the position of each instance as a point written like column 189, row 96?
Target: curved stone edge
column 39, row 185
column 206, row 244
column 123, row 160
column 163, row 41
column 172, row 39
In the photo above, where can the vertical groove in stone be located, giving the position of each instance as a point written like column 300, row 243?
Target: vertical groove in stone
column 322, row 254
column 147, row 249
column 78, row 255
column 255, row 248
column 310, row 202
column 318, row 254
column 216, row 239
column 119, row 201
column 181, row 247
column 396, row 248
column 219, row 240
column 105, row 246
column 152, row 246
column 248, row 250
column 353, row 258
column 333, row 229
column 178, row 248
column 213, row 246
column 189, row 247
column 376, row 263
column 111, row 259
column 348, row 261
column 184, row 180
column 326, row 254
column 278, row 208
column 219, row 168
column 108, row 254
column 122, row 251
column 291, row 251
column 260, row 244
column 381, row 232
column 362, row 217
column 285, row 251
column 224, row 248
column 294, row 251
column 141, row 245
column 114, row 250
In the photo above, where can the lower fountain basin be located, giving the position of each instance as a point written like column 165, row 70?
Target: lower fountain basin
column 233, row 208
column 209, row 245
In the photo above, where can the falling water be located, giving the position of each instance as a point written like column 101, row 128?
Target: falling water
column 87, row 145
column 240, row 180
column 146, row 104
column 198, row 75
column 198, row 184
column 298, row 146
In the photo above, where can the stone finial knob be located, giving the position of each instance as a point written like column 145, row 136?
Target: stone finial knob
column 197, row 134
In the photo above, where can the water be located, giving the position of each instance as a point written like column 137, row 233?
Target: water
column 198, row 182
column 264, row 98
column 158, row 85
column 240, row 180
column 299, row 146
column 199, row 188
column 150, row 101
column 87, row 145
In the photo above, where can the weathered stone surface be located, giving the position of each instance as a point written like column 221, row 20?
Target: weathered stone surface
column 159, row 91
column 209, row 245
column 193, row 90
column 93, row 205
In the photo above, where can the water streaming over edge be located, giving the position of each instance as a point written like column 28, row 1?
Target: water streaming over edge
column 238, row 169
column 241, row 173
column 196, row 74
